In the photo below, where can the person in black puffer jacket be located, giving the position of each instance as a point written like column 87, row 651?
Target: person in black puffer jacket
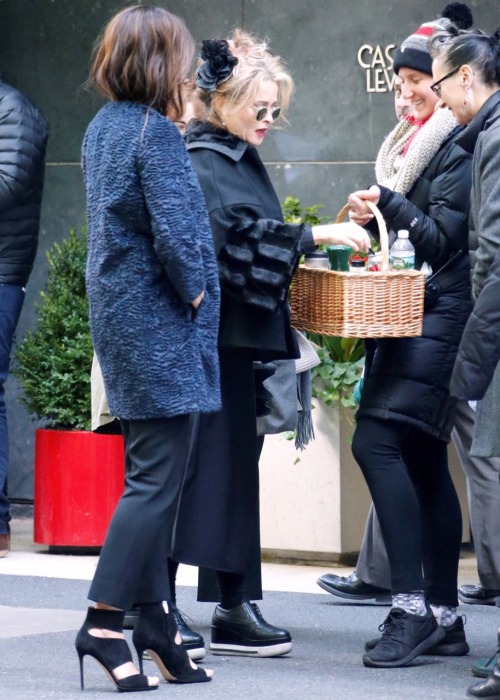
column 406, row 413
column 23, row 138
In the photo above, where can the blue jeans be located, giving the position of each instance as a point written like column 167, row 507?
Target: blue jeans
column 11, row 303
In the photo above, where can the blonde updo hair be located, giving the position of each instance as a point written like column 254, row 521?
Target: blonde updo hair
column 255, row 64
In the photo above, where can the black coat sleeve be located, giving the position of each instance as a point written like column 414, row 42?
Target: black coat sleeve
column 479, row 351
column 256, row 256
column 436, row 211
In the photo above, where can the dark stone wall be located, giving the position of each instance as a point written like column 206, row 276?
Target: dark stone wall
column 339, row 116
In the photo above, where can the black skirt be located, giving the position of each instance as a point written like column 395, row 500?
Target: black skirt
column 218, row 524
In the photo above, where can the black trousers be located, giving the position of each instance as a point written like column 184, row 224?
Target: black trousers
column 417, row 506
column 132, row 567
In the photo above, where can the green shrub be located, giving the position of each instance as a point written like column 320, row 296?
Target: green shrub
column 342, row 361
column 294, row 213
column 53, row 362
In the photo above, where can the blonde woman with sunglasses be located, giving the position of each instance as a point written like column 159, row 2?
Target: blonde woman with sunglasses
column 246, row 90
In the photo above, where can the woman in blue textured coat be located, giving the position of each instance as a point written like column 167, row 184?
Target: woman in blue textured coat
column 154, row 297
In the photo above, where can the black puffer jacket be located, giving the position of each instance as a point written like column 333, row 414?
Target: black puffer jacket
column 409, row 377
column 23, row 138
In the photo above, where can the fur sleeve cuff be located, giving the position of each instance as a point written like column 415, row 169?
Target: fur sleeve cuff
column 258, row 260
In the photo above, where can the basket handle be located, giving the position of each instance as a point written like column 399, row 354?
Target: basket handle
column 384, row 238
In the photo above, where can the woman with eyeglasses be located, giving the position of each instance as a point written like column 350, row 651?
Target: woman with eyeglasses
column 406, row 413
column 246, row 89
column 466, row 69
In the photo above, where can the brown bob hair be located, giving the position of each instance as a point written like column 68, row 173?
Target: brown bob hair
column 143, row 55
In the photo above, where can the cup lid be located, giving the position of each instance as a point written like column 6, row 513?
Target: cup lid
column 317, row 254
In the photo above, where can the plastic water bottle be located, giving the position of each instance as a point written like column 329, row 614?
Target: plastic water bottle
column 402, row 253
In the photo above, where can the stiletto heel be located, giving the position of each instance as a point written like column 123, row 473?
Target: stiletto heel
column 110, row 653
column 80, row 659
column 155, row 632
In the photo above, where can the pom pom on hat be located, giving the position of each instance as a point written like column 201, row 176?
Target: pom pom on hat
column 414, row 51
column 459, row 13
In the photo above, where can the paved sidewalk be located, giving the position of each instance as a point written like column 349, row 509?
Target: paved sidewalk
column 43, row 602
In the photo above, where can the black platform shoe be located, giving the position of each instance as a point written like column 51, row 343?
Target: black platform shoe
column 242, row 631
column 110, row 653
column 155, row 632
column 193, row 642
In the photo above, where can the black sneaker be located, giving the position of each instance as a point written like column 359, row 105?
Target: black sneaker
column 243, row 631
column 405, row 637
column 452, row 644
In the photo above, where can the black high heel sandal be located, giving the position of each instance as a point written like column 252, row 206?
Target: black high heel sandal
column 155, row 632
column 109, row 653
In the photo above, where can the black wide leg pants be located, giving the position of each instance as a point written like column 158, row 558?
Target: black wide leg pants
column 132, row 567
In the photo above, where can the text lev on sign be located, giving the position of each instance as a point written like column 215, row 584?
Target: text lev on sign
column 377, row 62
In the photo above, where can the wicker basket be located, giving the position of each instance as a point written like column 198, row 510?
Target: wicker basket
column 389, row 303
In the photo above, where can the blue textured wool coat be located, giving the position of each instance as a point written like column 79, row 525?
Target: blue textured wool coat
column 150, row 253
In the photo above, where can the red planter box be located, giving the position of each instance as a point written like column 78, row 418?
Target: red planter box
column 79, row 478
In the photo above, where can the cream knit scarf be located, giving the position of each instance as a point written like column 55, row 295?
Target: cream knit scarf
column 399, row 173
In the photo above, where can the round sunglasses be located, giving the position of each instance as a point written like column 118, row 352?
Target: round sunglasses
column 262, row 111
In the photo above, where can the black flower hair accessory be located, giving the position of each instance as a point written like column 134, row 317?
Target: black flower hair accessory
column 218, row 65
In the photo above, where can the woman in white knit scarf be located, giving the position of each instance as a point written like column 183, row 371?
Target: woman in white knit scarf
column 409, row 149
column 406, row 413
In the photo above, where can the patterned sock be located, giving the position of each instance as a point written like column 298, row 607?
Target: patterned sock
column 444, row 614
column 413, row 603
